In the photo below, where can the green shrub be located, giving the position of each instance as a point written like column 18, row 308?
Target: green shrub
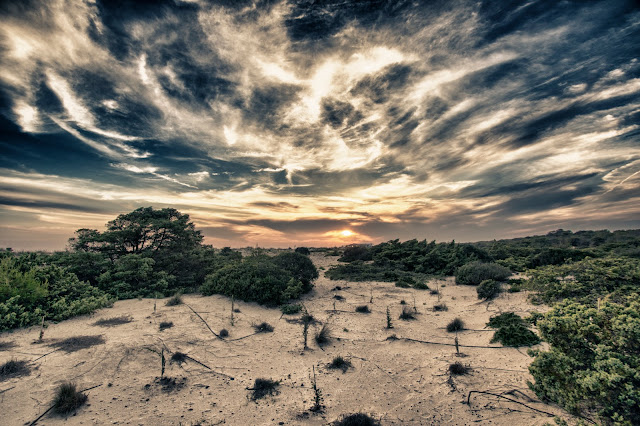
column 303, row 250
column 291, row 309
column 475, row 272
column 488, row 289
column 512, row 331
column 300, row 267
column 355, row 253
column 593, row 361
column 175, row 300
column 257, row 278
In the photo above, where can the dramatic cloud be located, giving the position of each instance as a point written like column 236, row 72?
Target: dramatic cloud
column 319, row 123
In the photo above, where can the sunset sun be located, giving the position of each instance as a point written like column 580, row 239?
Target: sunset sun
column 346, row 233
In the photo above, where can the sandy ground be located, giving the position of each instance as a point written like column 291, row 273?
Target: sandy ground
column 397, row 381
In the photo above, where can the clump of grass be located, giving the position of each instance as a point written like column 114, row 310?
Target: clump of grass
column 77, row 343
column 178, row 358
column 458, row 369
column 455, row 325
column 434, row 292
column 357, row 419
column 68, row 399
column 223, row 333
column 14, row 368
column 407, row 314
column 263, row 387
column 323, row 336
column 403, row 302
column 164, row 325
column 336, row 288
column 338, row 297
column 440, row 307
column 421, row 286
column 392, row 337
column 263, row 327
column 339, row 363
column 291, row 309
column 307, row 318
column 363, row 309
column 175, row 300
column 113, row 321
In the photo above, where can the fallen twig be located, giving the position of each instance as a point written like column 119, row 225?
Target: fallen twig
column 508, row 399
column 205, row 323
column 453, row 344
column 48, row 353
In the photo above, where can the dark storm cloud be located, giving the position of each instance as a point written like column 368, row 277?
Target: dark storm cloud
column 395, row 118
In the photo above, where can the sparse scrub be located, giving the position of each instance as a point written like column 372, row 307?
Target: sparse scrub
column 455, row 325
column 475, row 272
column 111, row 322
column 489, row 289
column 440, row 307
column 363, row 309
column 358, row 419
column 339, row 363
column 407, row 314
column 458, row 369
column 175, row 300
column 14, row 368
column 263, row 327
column 291, row 309
column 164, row 325
column 323, row 336
column 263, row 387
column 68, row 399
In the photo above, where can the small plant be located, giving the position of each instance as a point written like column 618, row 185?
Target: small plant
column 263, row 387
column 317, row 394
column 339, row 363
column 223, row 333
column 338, row 297
column 403, row 302
column 358, row 419
column 363, row 309
column 68, row 399
column 407, row 314
column 456, row 325
column 389, row 323
column 178, row 358
column 164, row 325
column 323, row 336
column 13, row 368
column 263, row 327
column 434, row 292
column 291, row 309
column 41, row 330
column 458, row 369
column 175, row 300
column 392, row 337
column 488, row 289
column 440, row 307
column 110, row 322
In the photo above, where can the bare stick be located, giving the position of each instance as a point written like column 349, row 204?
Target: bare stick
column 508, row 399
column 48, row 353
column 205, row 323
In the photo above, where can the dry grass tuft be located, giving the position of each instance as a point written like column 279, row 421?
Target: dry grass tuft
column 263, row 327
column 458, row 369
column 339, row 363
column 68, row 399
column 14, row 368
column 407, row 314
column 323, row 336
column 263, row 387
column 455, row 325
column 164, row 325
column 358, row 419
column 363, row 309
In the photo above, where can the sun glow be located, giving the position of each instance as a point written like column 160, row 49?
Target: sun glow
column 346, row 233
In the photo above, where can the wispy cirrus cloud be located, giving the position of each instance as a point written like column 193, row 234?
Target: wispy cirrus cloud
column 291, row 121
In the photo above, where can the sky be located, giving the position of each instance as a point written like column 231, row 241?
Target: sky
column 320, row 123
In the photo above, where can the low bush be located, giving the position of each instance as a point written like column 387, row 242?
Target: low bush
column 14, row 368
column 175, row 300
column 455, row 325
column 488, row 289
column 353, row 253
column 303, row 250
column 68, row 399
column 339, row 363
column 512, row 331
column 592, row 364
column 458, row 369
column 407, row 314
column 358, row 419
column 263, row 387
column 475, row 272
column 291, row 309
